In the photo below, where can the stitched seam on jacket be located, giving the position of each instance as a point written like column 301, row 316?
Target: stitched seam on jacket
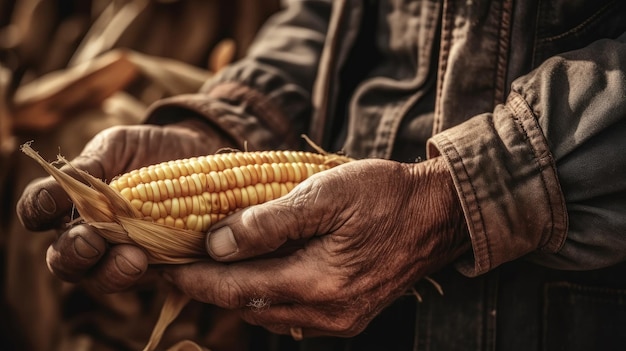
column 188, row 102
column 260, row 105
column 206, row 108
column 503, row 51
column 481, row 243
column 321, row 87
column 517, row 104
column 420, row 80
column 574, row 30
column 447, row 22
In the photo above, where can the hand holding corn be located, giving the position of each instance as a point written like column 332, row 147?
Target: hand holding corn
column 80, row 249
column 369, row 230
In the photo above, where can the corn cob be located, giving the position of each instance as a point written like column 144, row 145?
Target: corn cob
column 197, row 192
column 167, row 208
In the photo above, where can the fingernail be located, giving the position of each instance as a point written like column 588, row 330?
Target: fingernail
column 84, row 249
column 125, row 266
column 46, row 202
column 222, row 242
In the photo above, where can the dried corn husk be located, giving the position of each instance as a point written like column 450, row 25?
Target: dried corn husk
column 119, row 222
column 103, row 208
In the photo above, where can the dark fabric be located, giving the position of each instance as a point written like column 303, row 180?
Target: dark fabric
column 523, row 99
column 511, row 93
column 517, row 307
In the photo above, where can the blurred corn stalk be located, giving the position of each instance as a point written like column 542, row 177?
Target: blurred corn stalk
column 52, row 52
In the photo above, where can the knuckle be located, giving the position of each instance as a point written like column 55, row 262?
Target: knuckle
column 260, row 241
column 349, row 317
column 307, row 193
column 268, row 228
column 333, row 291
column 300, row 209
column 347, row 326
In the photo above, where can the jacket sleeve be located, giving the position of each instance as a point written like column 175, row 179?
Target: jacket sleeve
column 263, row 100
column 544, row 175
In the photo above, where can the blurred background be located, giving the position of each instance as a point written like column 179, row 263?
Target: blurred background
column 68, row 69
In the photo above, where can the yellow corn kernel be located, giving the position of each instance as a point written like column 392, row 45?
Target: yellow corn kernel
column 167, row 207
column 196, row 192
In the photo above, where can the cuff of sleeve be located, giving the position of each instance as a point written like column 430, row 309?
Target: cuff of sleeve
column 247, row 117
column 507, row 183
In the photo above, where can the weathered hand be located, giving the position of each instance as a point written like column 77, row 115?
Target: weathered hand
column 80, row 253
column 370, row 230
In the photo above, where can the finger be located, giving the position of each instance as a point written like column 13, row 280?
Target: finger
column 235, row 285
column 44, row 204
column 75, row 252
column 121, row 268
column 264, row 228
column 290, row 279
column 306, row 321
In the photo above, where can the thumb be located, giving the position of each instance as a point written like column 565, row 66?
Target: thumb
column 272, row 227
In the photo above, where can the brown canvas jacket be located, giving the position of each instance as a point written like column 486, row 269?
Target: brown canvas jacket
column 524, row 99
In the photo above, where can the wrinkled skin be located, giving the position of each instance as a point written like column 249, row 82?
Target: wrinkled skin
column 371, row 228
column 80, row 253
column 367, row 231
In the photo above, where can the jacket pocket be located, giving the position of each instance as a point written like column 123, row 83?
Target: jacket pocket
column 573, row 24
column 578, row 317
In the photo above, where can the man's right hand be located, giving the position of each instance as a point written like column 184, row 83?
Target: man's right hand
column 80, row 253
